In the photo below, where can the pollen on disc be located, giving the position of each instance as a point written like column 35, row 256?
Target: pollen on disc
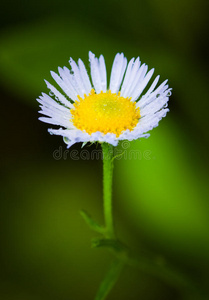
column 105, row 112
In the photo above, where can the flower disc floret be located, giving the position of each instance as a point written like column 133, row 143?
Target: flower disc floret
column 105, row 112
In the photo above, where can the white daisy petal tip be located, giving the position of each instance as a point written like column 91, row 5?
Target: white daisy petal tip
column 92, row 113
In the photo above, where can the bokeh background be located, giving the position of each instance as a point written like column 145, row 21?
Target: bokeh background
column 160, row 196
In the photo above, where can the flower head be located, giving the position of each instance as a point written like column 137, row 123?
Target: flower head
column 89, row 111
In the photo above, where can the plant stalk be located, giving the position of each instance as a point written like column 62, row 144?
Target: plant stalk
column 107, row 150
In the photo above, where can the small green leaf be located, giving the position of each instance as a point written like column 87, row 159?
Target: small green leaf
column 112, row 244
column 91, row 223
column 118, row 155
column 83, row 144
column 109, row 280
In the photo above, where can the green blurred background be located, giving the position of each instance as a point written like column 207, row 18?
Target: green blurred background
column 160, row 199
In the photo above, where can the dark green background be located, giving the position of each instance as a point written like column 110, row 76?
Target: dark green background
column 160, row 199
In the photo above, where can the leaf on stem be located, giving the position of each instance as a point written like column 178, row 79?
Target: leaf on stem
column 91, row 223
column 111, row 244
column 109, row 280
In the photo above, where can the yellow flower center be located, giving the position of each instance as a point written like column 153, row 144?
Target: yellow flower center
column 105, row 112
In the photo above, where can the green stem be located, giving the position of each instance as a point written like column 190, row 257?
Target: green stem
column 107, row 188
column 122, row 254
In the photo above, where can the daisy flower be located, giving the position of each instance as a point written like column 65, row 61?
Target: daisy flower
column 87, row 109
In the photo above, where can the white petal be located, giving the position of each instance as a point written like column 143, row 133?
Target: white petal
column 67, row 87
column 135, row 68
column 142, row 85
column 55, row 121
column 53, row 112
column 127, row 75
column 77, row 78
column 61, row 98
column 122, row 73
column 70, row 82
column 118, row 69
column 103, row 73
column 154, row 106
column 161, row 88
column 152, row 96
column 95, row 73
column 56, row 114
column 46, row 100
column 152, row 86
column 137, row 80
column 84, row 76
